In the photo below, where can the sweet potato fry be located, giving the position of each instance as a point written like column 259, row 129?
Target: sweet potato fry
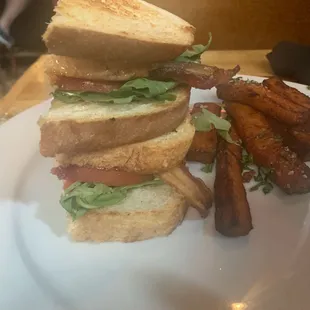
column 203, row 147
column 286, row 169
column 293, row 140
column 302, row 133
column 232, row 212
column 264, row 100
column 279, row 87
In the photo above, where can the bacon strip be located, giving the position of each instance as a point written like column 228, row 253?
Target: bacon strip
column 193, row 74
column 83, row 85
column 108, row 177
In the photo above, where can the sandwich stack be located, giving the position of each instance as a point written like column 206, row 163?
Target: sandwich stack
column 119, row 126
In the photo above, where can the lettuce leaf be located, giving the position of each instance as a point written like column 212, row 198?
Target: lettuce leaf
column 132, row 91
column 80, row 197
column 207, row 168
column 206, row 120
column 193, row 55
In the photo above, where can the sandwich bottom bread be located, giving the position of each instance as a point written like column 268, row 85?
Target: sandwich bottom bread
column 117, row 194
column 147, row 212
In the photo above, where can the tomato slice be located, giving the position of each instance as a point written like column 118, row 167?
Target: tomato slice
column 67, row 183
column 115, row 178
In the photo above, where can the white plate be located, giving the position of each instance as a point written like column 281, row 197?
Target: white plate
column 194, row 268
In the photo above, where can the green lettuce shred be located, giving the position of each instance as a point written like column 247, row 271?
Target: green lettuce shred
column 138, row 89
column 206, row 120
column 193, row 55
column 207, row 168
column 134, row 90
column 80, row 197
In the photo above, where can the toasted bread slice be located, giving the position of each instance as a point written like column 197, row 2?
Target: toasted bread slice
column 146, row 213
column 87, row 127
column 132, row 31
column 149, row 157
column 90, row 69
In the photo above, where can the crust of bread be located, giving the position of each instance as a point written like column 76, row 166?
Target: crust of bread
column 69, row 134
column 149, row 157
column 124, row 31
column 90, row 69
column 106, row 225
column 105, row 47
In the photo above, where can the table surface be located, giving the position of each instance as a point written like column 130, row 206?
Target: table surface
column 33, row 87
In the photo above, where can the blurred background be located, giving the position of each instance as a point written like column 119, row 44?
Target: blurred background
column 235, row 25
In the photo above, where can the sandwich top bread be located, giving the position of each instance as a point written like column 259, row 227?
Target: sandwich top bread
column 126, row 31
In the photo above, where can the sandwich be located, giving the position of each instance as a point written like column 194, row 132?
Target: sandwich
column 119, row 124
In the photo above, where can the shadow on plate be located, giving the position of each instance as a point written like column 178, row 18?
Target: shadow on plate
column 174, row 292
